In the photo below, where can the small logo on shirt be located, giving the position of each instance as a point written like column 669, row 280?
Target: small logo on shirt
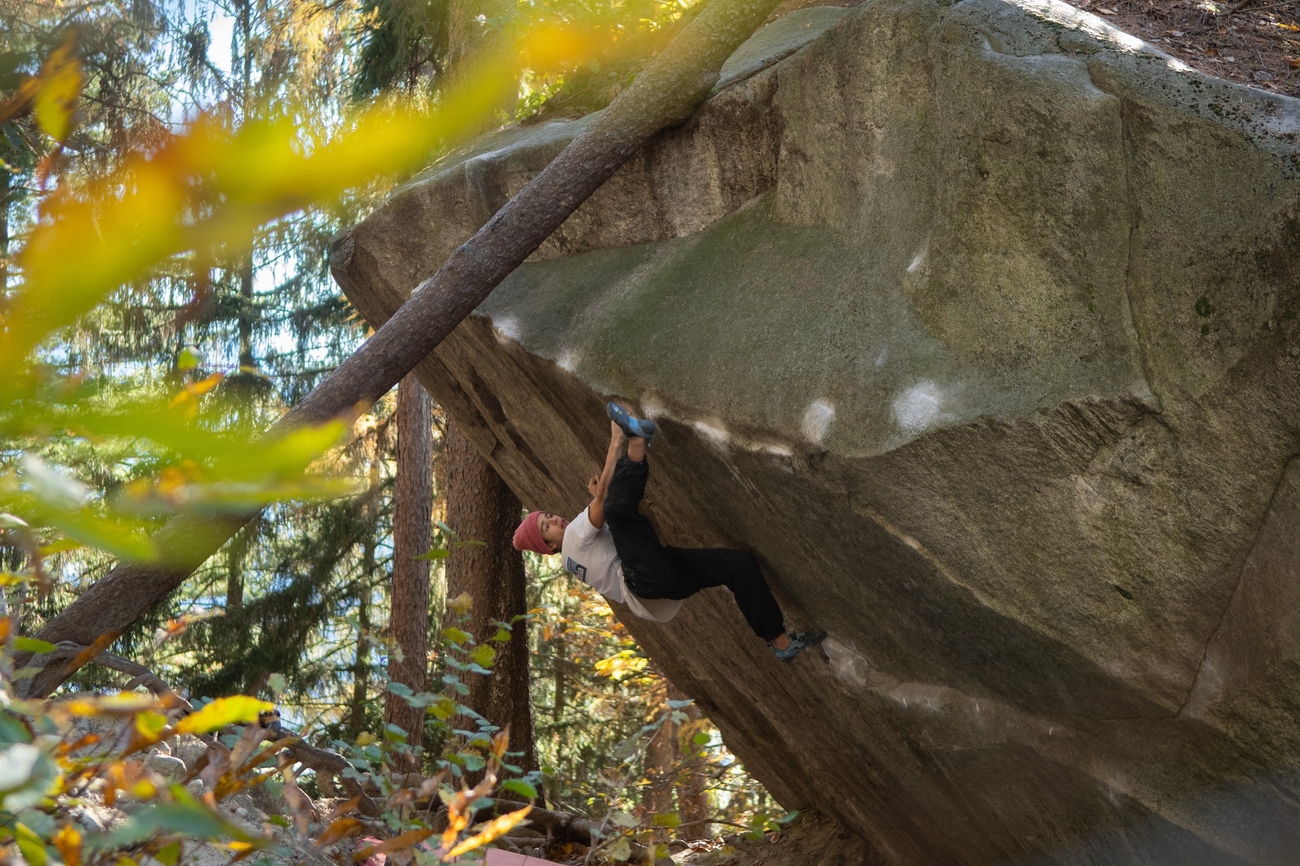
column 576, row 568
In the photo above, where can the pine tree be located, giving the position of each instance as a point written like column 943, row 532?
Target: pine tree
column 408, row 620
column 483, row 512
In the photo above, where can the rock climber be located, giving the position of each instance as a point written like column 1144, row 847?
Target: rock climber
column 613, row 548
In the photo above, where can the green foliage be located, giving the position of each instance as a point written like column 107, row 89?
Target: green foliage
column 404, row 41
column 626, row 33
column 599, row 703
column 44, row 781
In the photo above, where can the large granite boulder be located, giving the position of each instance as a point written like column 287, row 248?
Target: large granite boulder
column 977, row 322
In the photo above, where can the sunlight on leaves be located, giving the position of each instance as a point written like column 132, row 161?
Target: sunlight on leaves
column 498, row 826
column 237, row 710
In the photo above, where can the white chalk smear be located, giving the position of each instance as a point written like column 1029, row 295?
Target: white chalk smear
column 717, row 433
column 919, row 259
column 817, row 420
column 507, row 328
column 652, row 408
column 919, row 407
column 569, row 359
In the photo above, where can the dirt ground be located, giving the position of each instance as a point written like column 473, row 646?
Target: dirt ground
column 1253, row 42
column 811, row 841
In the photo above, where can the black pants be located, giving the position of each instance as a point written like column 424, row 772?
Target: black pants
column 652, row 570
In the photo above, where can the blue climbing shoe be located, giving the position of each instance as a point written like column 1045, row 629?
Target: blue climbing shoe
column 798, row 641
column 635, row 428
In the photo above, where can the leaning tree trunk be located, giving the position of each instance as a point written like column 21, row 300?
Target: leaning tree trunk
column 664, row 94
column 483, row 513
column 408, row 618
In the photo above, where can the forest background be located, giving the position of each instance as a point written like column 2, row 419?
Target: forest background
column 299, row 606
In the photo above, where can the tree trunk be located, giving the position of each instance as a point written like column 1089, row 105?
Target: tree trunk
column 361, row 667
column 467, row 38
column 6, row 183
column 234, row 578
column 247, row 363
column 413, row 511
column 236, row 555
column 483, row 513
column 692, row 797
column 666, row 93
column 661, row 757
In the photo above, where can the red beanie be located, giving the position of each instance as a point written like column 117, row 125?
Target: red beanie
column 529, row 535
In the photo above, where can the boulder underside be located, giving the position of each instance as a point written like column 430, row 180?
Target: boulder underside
column 978, row 324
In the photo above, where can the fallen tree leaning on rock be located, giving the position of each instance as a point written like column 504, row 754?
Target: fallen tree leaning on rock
column 666, row 93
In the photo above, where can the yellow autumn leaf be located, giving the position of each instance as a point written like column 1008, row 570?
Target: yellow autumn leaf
column 498, row 826
column 150, row 724
column 236, row 710
column 125, row 703
column 67, row 839
column 483, row 655
column 401, row 842
column 336, row 831
column 144, row 789
column 461, row 604
column 61, row 80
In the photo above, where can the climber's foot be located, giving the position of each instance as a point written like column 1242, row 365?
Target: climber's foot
column 798, row 641
column 633, row 428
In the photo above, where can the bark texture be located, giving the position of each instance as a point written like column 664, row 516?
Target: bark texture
column 675, row 766
column 661, row 758
column 666, row 93
column 409, row 618
column 483, row 512
column 692, row 796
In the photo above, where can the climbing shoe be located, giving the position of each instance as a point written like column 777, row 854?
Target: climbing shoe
column 798, row 641
column 642, row 428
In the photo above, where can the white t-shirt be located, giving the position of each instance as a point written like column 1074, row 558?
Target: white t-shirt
column 590, row 556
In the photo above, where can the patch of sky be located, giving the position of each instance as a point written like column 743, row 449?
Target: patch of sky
column 198, row 16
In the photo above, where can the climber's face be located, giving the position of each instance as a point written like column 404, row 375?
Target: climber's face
column 552, row 526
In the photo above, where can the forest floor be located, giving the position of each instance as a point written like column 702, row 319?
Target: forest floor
column 1255, row 43
column 811, row 841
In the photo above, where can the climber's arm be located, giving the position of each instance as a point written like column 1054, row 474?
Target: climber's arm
column 598, row 485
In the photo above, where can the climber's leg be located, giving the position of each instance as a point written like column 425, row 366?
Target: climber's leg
column 739, row 572
column 648, row 570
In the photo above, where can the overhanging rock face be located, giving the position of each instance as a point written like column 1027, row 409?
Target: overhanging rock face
column 978, row 324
